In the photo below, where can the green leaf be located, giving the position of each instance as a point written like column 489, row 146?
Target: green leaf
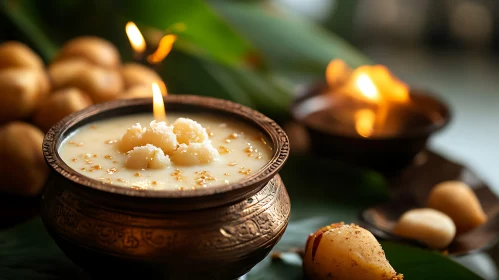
column 289, row 43
column 416, row 263
column 205, row 32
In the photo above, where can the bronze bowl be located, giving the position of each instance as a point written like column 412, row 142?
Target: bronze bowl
column 317, row 110
column 211, row 233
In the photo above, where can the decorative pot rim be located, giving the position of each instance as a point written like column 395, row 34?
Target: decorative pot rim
column 280, row 145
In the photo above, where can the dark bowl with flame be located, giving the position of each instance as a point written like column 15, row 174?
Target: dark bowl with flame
column 208, row 233
column 328, row 119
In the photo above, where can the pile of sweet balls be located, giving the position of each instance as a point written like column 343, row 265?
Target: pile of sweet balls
column 33, row 97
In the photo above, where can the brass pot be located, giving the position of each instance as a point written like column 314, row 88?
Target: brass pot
column 209, row 233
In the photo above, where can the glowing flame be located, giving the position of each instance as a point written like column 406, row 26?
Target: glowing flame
column 135, row 37
column 373, row 84
column 364, row 122
column 158, row 104
column 367, row 87
column 164, row 48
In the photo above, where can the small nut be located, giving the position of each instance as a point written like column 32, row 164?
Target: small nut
column 19, row 92
column 22, row 167
column 458, row 201
column 428, row 226
column 17, row 55
column 342, row 251
column 59, row 105
column 135, row 74
column 95, row 50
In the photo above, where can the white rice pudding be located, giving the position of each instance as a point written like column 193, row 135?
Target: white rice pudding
column 93, row 151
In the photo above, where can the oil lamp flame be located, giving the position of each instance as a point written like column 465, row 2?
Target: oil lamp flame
column 364, row 122
column 367, row 87
column 375, row 85
column 135, row 37
column 158, row 104
column 164, row 48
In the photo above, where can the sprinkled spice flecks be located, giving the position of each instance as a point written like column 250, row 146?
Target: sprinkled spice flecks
column 97, row 167
column 88, row 162
column 223, row 150
column 177, row 174
column 111, row 170
column 93, row 126
column 137, row 174
column 111, row 141
column 232, row 164
column 154, row 182
column 203, row 178
column 115, row 161
column 227, row 174
column 108, row 157
column 74, row 159
column 245, row 171
column 227, row 141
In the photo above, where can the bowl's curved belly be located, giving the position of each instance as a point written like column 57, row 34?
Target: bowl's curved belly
column 214, row 243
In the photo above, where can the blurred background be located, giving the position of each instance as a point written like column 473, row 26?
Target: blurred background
column 259, row 52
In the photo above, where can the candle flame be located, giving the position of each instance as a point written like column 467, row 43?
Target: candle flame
column 135, row 37
column 158, row 103
column 364, row 122
column 164, row 48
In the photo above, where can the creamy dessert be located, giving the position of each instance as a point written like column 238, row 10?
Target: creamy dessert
column 189, row 151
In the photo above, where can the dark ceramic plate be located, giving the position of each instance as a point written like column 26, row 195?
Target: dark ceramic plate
column 411, row 189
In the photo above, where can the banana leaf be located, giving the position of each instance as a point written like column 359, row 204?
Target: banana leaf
column 322, row 191
column 289, row 43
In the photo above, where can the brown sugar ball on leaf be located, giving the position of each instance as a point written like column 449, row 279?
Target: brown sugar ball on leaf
column 340, row 251
column 95, row 50
column 20, row 90
column 18, row 55
column 59, row 105
column 22, row 167
column 135, row 74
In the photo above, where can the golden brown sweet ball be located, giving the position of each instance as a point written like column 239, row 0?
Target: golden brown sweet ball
column 22, row 167
column 17, row 55
column 101, row 84
column 135, row 74
column 95, row 50
column 20, row 90
column 59, row 105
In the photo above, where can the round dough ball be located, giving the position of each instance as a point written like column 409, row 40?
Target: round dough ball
column 99, row 83
column 138, row 91
column 22, row 167
column 17, row 55
column 64, row 72
column 428, row 226
column 161, row 136
column 342, row 251
column 147, row 156
column 95, row 50
column 189, row 131
column 59, row 105
column 19, row 93
column 131, row 139
column 195, row 154
column 136, row 74
column 458, row 201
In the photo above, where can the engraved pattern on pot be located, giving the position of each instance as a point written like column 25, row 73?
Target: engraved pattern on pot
column 264, row 215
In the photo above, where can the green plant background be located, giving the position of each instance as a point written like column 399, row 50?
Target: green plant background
column 250, row 52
